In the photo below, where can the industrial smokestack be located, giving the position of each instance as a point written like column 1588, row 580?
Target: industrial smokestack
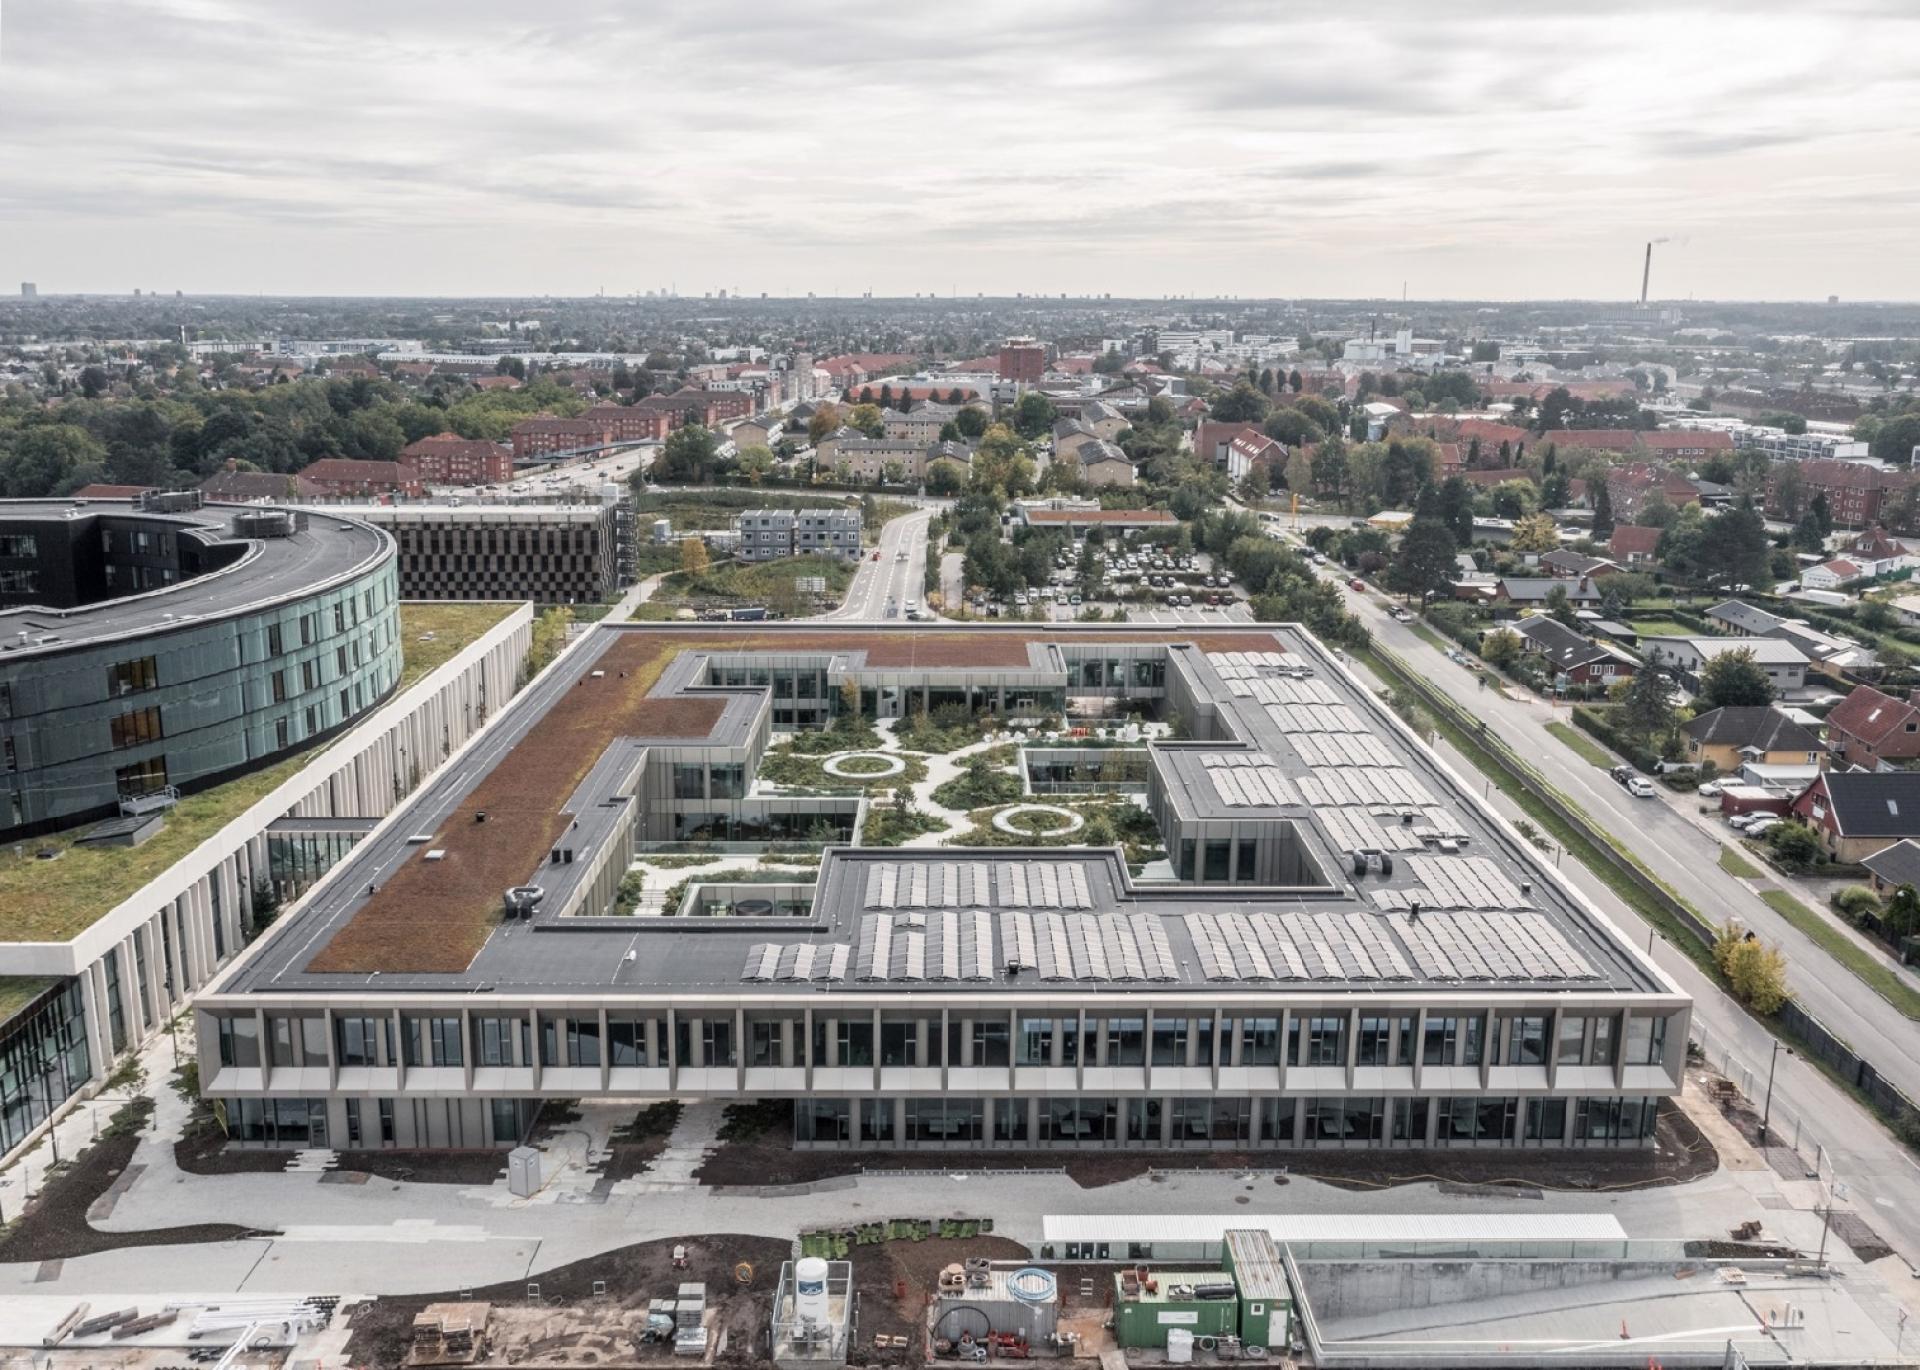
column 1646, row 275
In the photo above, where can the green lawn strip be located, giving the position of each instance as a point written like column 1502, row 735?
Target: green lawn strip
column 1590, row 751
column 1431, row 638
column 1733, row 863
column 1879, row 976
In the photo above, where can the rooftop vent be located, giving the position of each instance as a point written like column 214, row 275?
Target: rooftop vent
column 522, row 900
column 263, row 523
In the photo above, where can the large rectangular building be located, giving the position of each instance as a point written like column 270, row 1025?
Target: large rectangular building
column 769, row 534
column 548, row 553
column 1344, row 946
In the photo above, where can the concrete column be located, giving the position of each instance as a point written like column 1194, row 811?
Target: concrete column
column 921, row 1054
column 696, row 1047
column 1286, row 1019
column 1080, row 1049
column 945, row 1065
column 1216, row 1049
column 1353, row 1044
column 333, row 1051
column 606, row 1052
column 1620, row 1048
column 876, row 1049
column 130, row 997
column 1146, row 1047
column 830, row 1039
column 99, row 1035
column 739, row 1049
column 1553, row 1046
column 1055, row 1051
column 467, row 1053
column 650, row 1034
column 533, row 1046
column 1419, row 1046
column 806, row 1046
column 171, row 944
column 966, row 1041
column 1490, row 1046
column 786, row 1042
column 400, row 1048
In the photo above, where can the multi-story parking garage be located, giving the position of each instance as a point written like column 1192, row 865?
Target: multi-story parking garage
column 161, row 647
column 1343, row 947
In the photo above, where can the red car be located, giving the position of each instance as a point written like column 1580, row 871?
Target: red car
column 1357, row 584
column 876, row 556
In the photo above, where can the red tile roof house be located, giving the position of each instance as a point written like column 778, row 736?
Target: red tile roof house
column 1858, row 813
column 345, row 476
column 1212, row 437
column 1632, row 545
column 1248, row 450
column 545, row 437
column 1628, row 488
column 449, row 459
column 1874, row 731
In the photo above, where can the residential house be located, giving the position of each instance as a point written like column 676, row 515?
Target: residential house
column 1832, row 575
column 1831, row 655
column 1103, row 419
column 1565, row 564
column 1103, row 465
column 754, row 433
column 1859, row 813
column 1891, row 867
column 98, row 490
column 1874, row 731
column 256, row 487
column 1530, row 592
column 343, row 476
column 1761, row 735
column 1632, row 545
column 1576, row 662
column 1785, row 664
column 552, row 437
column 1212, row 437
column 1878, row 555
column 1629, row 488
column 957, row 456
column 1907, row 609
column 449, row 459
column 867, row 459
column 1068, row 437
column 923, row 425
column 1248, row 450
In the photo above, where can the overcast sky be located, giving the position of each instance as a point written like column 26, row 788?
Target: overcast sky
column 1503, row 149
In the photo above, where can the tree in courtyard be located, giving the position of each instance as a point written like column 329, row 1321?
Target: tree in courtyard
column 1242, row 404
column 1902, row 915
column 693, row 555
column 824, row 421
column 1822, row 510
column 866, row 418
column 1033, row 415
column 1734, row 680
column 1735, row 545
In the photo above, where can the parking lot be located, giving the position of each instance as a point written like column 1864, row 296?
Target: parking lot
column 1152, row 585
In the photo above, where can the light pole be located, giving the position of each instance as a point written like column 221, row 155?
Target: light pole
column 1766, row 1110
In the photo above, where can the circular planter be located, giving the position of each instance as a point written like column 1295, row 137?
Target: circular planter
column 1071, row 821
column 837, row 765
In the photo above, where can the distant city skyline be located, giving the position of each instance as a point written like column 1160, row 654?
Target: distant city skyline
column 1209, row 149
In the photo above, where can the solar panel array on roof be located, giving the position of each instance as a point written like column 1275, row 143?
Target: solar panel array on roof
column 1256, row 665
column 792, row 961
column 1085, row 946
column 1248, row 780
column 1343, row 749
column 925, row 946
column 977, row 884
column 1296, row 946
column 1470, row 945
column 1316, row 718
column 1467, row 882
column 1365, row 785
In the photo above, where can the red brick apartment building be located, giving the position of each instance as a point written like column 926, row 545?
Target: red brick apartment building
column 631, row 423
column 449, row 459
column 1022, row 360
column 1858, row 495
column 343, row 476
column 548, row 437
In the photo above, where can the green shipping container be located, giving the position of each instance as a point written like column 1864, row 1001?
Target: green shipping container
column 1260, row 1277
column 1144, row 1320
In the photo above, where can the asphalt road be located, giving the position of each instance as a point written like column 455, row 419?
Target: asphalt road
column 881, row 589
column 1884, row 1175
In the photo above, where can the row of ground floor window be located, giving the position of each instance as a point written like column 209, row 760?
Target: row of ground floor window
column 1078, row 1121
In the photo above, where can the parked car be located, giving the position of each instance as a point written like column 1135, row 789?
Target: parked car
column 1640, row 787
column 1763, row 824
column 1357, row 585
column 1400, row 615
column 1710, row 789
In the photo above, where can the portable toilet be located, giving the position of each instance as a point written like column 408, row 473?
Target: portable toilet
column 1266, row 1302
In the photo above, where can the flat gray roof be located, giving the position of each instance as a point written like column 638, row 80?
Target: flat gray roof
column 329, row 549
column 1305, row 744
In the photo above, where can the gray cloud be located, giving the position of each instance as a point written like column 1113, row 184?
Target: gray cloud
column 1220, row 145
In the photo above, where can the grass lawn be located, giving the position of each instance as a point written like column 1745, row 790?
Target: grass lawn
column 1881, row 978
column 768, row 582
column 1590, row 751
column 1431, row 638
column 431, row 634
column 1659, row 627
column 1733, row 863
column 710, row 509
column 51, row 901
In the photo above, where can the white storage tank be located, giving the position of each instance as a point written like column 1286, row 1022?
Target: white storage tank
column 810, row 1290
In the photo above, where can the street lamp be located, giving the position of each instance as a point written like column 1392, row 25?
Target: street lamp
column 1766, row 1110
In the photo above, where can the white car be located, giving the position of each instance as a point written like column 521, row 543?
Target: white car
column 1743, row 822
column 1764, row 824
column 1710, row 789
column 1640, row 787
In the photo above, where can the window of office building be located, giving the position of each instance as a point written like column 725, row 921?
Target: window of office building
column 43, row 1060
column 1326, row 1042
column 689, row 781
column 136, row 726
column 130, row 677
column 142, row 777
column 1526, row 1041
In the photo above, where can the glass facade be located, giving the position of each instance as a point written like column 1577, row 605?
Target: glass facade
column 43, row 1060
